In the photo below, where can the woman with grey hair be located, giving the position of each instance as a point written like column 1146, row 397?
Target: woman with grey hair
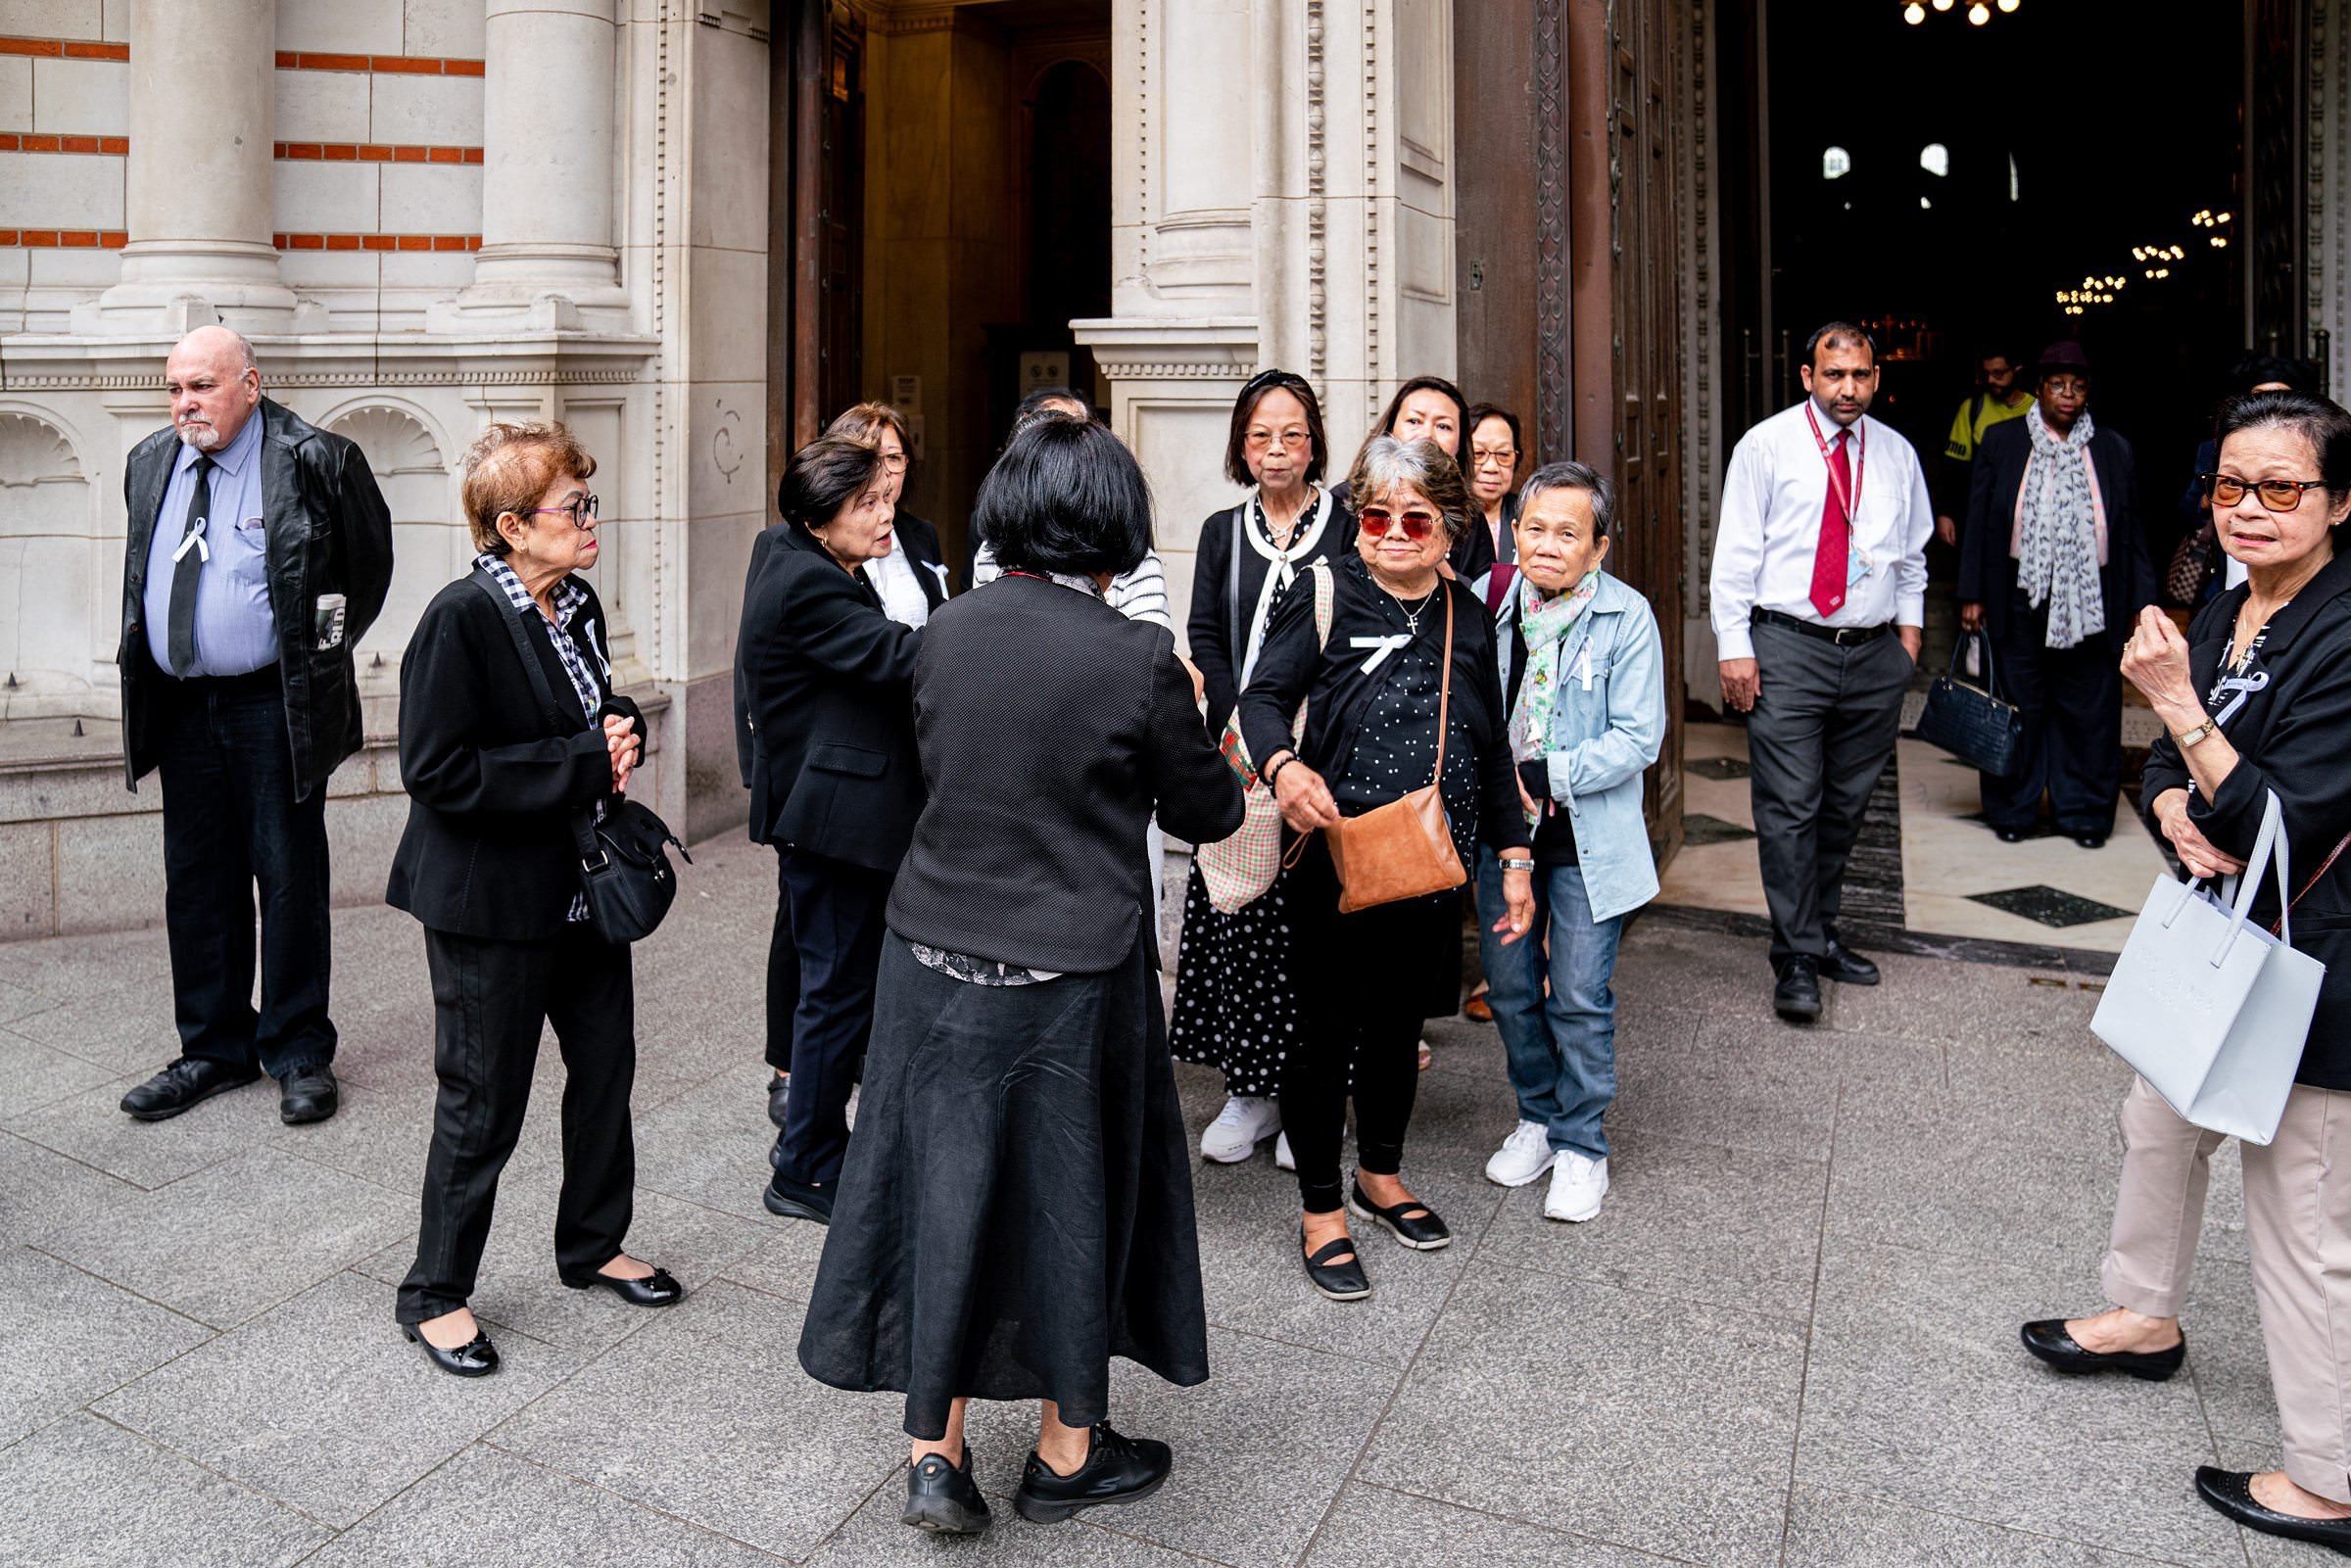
column 1407, row 645
column 1583, row 673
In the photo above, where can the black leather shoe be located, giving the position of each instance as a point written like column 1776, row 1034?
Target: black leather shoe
column 2091, row 841
column 1341, row 1282
column 2010, row 836
column 799, row 1200
column 188, row 1081
column 2232, row 1492
column 943, row 1498
column 1117, row 1469
column 779, row 1093
column 1422, row 1231
column 1797, row 997
column 476, row 1357
column 657, row 1289
column 1846, row 966
column 308, row 1094
column 2048, row 1339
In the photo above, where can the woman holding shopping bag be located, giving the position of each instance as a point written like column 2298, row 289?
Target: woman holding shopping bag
column 2256, row 701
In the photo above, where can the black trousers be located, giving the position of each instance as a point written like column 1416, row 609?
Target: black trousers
column 231, row 824
column 836, row 913
column 2071, row 700
column 490, row 1000
column 1364, row 982
column 782, row 974
column 1822, row 729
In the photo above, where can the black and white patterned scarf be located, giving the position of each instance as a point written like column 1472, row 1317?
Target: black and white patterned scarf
column 569, row 596
column 2058, row 515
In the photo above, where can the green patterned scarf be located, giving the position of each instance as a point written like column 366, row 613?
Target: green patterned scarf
column 1543, row 624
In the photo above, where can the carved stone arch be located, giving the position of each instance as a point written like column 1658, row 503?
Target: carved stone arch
column 35, row 452
column 396, row 439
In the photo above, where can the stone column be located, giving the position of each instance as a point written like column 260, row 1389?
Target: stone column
column 202, row 94
column 548, row 259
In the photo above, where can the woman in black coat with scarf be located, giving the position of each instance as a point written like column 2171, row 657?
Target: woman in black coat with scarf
column 498, row 767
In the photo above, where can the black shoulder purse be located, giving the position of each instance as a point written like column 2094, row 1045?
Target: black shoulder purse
column 1972, row 722
column 625, row 873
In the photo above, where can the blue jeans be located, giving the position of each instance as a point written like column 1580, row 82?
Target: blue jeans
column 1561, row 1047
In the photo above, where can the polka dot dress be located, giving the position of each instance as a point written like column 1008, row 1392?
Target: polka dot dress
column 1236, row 1009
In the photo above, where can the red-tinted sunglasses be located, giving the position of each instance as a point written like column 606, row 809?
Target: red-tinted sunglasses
column 1417, row 525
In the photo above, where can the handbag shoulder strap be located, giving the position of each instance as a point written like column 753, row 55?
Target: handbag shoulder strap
column 1445, row 685
column 583, row 830
column 2324, row 866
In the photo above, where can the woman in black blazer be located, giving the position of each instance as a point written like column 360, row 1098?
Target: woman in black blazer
column 1016, row 1206
column 495, row 778
column 912, row 578
column 1236, row 1009
column 2064, row 493
column 834, row 788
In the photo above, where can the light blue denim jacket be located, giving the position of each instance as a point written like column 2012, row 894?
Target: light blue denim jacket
column 1605, row 732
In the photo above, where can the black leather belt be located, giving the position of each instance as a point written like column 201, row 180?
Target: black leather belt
column 1844, row 636
column 267, row 680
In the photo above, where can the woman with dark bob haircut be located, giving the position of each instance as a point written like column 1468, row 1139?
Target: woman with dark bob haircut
column 1017, row 1207
column 822, row 677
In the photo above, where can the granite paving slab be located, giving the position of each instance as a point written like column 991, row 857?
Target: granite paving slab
column 2225, row 1356
column 91, row 1128
column 67, row 1337
column 32, row 1075
column 1832, row 1530
column 38, row 1184
column 709, row 1145
column 1373, row 1526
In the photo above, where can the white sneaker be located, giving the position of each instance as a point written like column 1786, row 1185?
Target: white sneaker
column 1282, row 1157
column 1524, row 1156
column 1577, row 1185
column 1244, row 1121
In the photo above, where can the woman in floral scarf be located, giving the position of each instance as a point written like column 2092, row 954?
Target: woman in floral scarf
column 1584, row 678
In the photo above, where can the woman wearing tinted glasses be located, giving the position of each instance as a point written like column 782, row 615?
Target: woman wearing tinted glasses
column 2255, row 699
column 1375, row 691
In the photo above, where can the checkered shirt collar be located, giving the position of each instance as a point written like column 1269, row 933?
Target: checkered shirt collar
column 569, row 596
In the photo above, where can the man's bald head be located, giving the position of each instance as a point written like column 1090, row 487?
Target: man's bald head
column 214, row 386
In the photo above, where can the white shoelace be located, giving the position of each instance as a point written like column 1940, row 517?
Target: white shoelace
column 1236, row 1111
column 1526, row 1136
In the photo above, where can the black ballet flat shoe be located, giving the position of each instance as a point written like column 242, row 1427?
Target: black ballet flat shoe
column 2048, row 1339
column 799, row 1200
column 476, row 1357
column 1117, row 1469
column 1341, row 1282
column 943, row 1498
column 657, row 1289
column 2231, row 1493
column 1423, row 1232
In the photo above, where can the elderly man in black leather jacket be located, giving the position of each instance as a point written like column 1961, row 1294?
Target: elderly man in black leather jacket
column 257, row 552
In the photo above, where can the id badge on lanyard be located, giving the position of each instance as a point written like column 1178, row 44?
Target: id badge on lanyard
column 1858, row 562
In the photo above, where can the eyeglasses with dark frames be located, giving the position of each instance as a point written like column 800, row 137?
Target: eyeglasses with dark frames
column 2277, row 495
column 581, row 511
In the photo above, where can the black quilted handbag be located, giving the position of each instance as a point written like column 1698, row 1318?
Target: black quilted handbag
column 1972, row 722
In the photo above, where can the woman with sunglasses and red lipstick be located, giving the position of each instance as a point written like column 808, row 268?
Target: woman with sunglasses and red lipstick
column 1375, row 691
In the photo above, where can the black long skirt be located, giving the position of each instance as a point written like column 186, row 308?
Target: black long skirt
column 1017, row 1204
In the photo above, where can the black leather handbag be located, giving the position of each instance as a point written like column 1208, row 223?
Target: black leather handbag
column 1972, row 722
column 625, row 873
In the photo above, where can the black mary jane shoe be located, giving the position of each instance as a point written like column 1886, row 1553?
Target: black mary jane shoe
column 476, row 1357
column 2048, row 1339
column 1117, row 1469
column 657, row 1289
column 943, row 1498
column 2231, row 1493
column 1340, row 1281
column 1423, row 1232
column 1846, row 966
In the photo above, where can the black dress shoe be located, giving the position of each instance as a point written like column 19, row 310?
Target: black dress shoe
column 2010, row 836
column 943, row 1498
column 1423, row 1232
column 2048, row 1339
column 779, row 1093
column 2232, row 1492
column 1117, row 1469
column 476, row 1357
column 308, row 1094
column 799, row 1200
column 1797, row 997
column 188, row 1081
column 2091, row 841
column 1846, row 966
column 1341, row 1282
column 657, row 1289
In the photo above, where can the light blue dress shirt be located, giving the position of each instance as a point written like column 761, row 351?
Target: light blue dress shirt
column 236, row 633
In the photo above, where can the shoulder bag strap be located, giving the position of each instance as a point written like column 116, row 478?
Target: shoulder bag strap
column 1445, row 687
column 582, row 831
column 2324, row 866
column 1237, row 629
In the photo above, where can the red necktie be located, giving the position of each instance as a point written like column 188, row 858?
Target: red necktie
column 1830, row 559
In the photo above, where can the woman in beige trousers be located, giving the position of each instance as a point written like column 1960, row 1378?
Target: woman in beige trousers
column 2255, row 699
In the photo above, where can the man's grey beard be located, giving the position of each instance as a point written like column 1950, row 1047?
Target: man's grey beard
column 205, row 437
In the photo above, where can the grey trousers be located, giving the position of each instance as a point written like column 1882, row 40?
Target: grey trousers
column 1822, row 729
column 2298, row 1226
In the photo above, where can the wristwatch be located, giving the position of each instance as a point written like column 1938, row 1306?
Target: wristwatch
column 2202, row 731
column 1516, row 863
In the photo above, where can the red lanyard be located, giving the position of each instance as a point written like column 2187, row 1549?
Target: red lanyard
column 1845, row 497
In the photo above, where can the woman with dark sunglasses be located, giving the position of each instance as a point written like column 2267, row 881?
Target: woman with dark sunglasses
column 1376, row 691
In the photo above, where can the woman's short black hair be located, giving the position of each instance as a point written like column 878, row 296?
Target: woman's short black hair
column 1065, row 496
column 1034, row 404
column 1244, row 410
column 2252, row 369
column 825, row 476
column 2317, row 420
column 1478, row 414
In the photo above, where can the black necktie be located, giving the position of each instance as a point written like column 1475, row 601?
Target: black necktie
column 187, row 565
